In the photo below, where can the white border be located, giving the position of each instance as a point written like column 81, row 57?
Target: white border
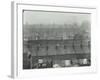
column 17, row 70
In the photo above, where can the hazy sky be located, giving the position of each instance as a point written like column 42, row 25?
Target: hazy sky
column 43, row 17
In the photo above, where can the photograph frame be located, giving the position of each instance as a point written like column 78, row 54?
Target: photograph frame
column 17, row 20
